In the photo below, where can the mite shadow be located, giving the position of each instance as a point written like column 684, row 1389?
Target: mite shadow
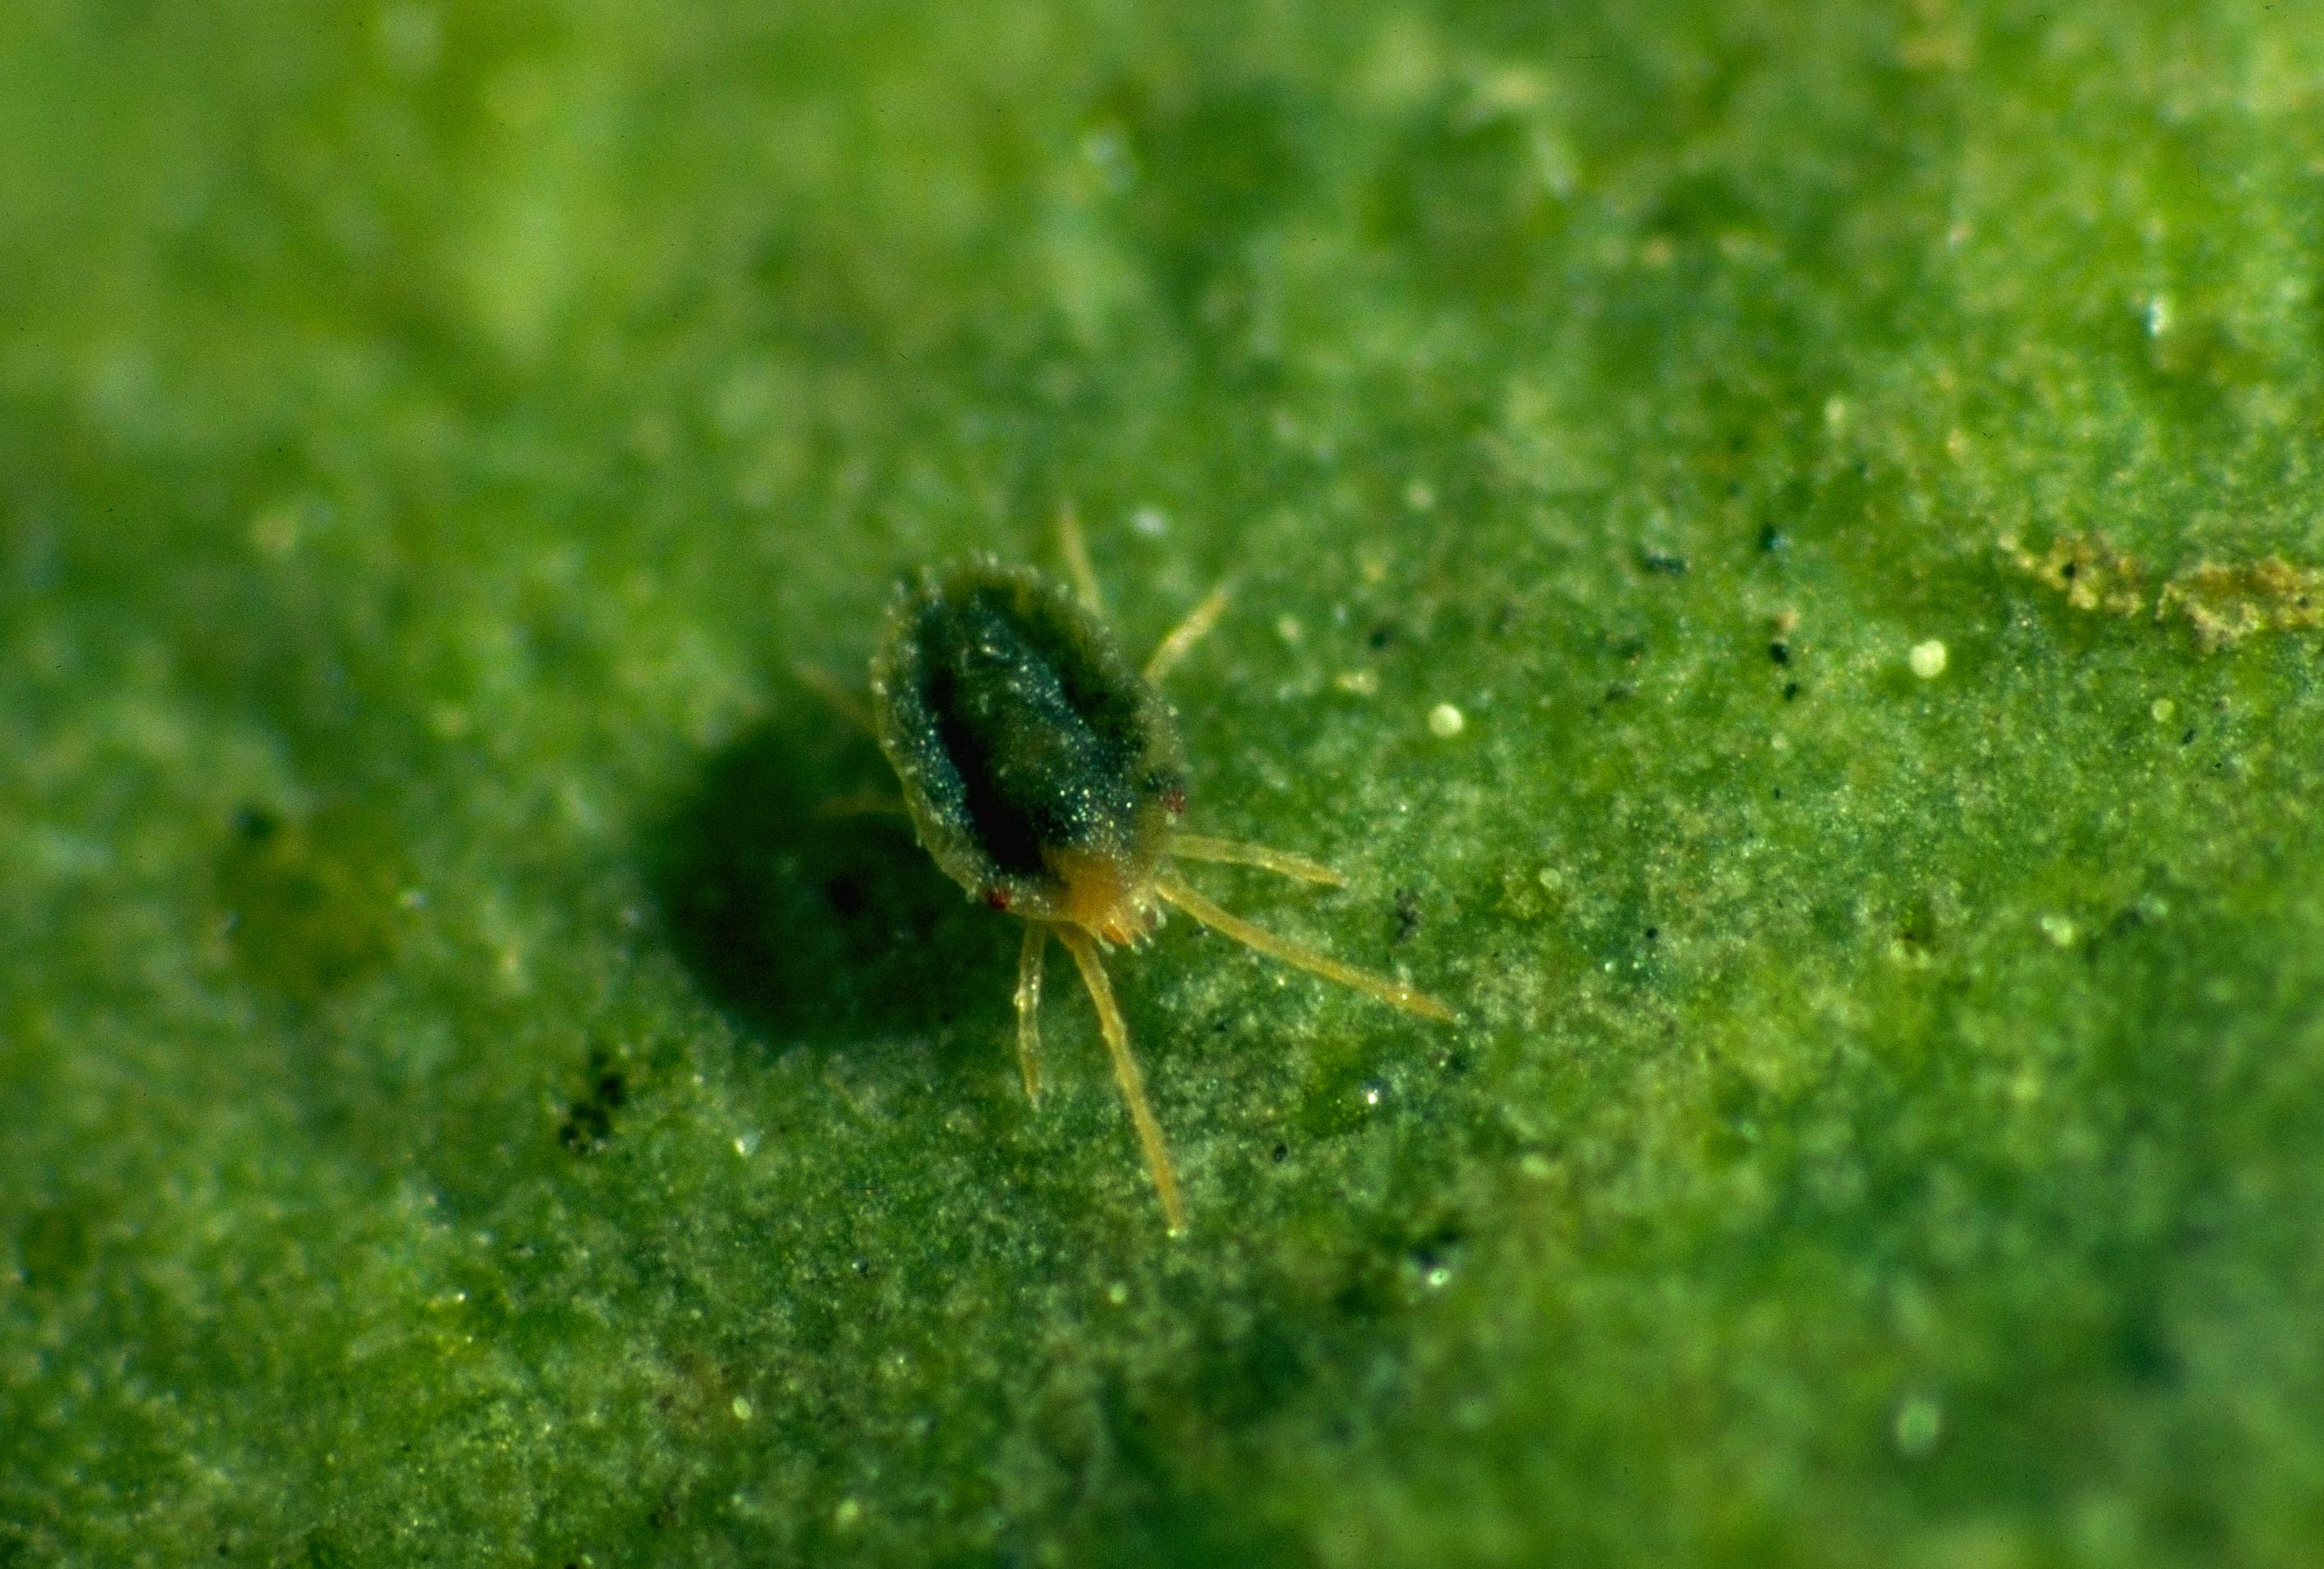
column 807, row 926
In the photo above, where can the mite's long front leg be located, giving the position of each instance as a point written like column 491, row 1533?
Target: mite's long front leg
column 1110, row 1024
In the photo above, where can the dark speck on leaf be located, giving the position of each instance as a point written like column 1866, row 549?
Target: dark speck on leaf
column 1791, row 691
column 1282, row 1153
column 2188, row 739
column 1437, row 1251
column 1663, row 562
column 588, row 1125
column 1780, row 652
column 1408, row 914
column 1381, row 636
column 1773, row 540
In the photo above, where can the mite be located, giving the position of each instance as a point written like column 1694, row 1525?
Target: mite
column 1044, row 772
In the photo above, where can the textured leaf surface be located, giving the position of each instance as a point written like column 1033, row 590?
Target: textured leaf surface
column 1851, row 470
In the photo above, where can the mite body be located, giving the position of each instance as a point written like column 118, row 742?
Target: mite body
column 1041, row 770
column 1045, row 774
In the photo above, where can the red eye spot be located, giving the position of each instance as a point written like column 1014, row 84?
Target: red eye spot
column 998, row 897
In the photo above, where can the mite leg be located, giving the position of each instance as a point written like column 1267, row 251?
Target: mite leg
column 1028, row 1007
column 1395, row 993
column 863, row 804
column 1125, row 1073
column 844, row 702
column 1201, row 847
column 1186, row 635
column 1077, row 561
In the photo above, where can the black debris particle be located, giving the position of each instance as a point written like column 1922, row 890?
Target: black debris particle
column 1662, row 562
column 1408, row 914
column 1773, row 540
column 588, row 1125
column 1282, row 1153
column 1791, row 691
column 1780, row 652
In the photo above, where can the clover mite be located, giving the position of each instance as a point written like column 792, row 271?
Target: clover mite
column 1044, row 772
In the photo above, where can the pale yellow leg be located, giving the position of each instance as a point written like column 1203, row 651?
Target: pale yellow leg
column 1079, row 945
column 1028, row 1007
column 1077, row 560
column 1395, row 993
column 1201, row 847
column 850, row 707
column 1186, row 635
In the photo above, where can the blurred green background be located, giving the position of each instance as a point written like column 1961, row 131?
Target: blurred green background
column 1852, row 467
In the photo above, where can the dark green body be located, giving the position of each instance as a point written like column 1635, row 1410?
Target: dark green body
column 1035, row 759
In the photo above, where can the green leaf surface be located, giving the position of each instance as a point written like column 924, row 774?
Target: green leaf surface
column 1776, row 543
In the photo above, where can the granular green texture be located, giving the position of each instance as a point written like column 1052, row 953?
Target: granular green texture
column 461, row 1104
